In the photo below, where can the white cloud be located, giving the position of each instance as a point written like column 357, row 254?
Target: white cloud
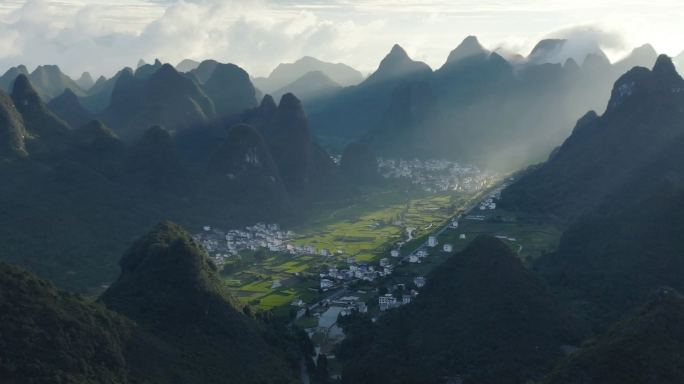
column 102, row 36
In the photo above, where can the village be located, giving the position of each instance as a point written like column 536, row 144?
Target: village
column 328, row 275
column 436, row 175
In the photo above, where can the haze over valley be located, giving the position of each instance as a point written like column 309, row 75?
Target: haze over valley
column 341, row 192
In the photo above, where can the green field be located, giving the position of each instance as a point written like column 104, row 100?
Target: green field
column 370, row 228
column 365, row 230
column 528, row 237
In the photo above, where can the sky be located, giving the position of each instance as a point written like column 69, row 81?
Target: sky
column 104, row 36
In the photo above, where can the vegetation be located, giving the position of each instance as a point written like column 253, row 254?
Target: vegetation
column 77, row 196
column 51, row 336
column 482, row 316
column 645, row 347
column 171, row 289
column 363, row 230
column 174, row 322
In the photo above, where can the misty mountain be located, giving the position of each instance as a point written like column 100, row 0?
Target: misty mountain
column 546, row 50
column 145, row 70
column 482, row 316
column 556, row 51
column 204, row 70
column 397, row 64
column 350, row 113
column 99, row 95
column 85, row 82
column 231, row 90
column 38, row 119
column 12, row 131
column 477, row 108
column 310, row 86
column 68, row 108
column 288, row 73
column 641, row 348
column 304, row 166
column 187, row 65
column 86, row 191
column 48, row 81
column 7, row 79
column 616, row 183
column 643, row 115
column 164, row 98
column 643, row 56
column 468, row 48
column 679, row 61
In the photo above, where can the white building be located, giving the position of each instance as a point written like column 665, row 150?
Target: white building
column 419, row 281
column 432, row 241
column 326, row 283
column 406, row 299
column 462, row 236
column 454, row 224
column 413, row 259
column 394, row 253
column 422, row 253
column 297, row 303
column 448, row 248
column 387, row 302
column 384, row 262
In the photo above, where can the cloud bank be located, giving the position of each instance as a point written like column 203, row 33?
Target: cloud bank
column 101, row 36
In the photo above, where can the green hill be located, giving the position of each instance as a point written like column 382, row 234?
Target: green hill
column 51, row 336
column 175, row 324
column 482, row 316
column 645, row 347
column 171, row 289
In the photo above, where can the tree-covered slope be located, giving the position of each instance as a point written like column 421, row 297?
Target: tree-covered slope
column 482, row 316
column 643, row 116
column 645, row 347
column 52, row 336
column 171, row 289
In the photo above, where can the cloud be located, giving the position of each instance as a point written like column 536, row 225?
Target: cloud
column 102, row 36
column 581, row 41
column 251, row 34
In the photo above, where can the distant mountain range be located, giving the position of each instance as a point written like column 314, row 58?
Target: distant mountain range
column 286, row 74
column 87, row 167
column 48, row 80
column 616, row 183
column 478, row 107
column 97, row 186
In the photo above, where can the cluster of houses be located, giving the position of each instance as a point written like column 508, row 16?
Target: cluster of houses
column 221, row 245
column 354, row 271
column 390, row 300
column 436, row 175
column 350, row 304
column 489, row 202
